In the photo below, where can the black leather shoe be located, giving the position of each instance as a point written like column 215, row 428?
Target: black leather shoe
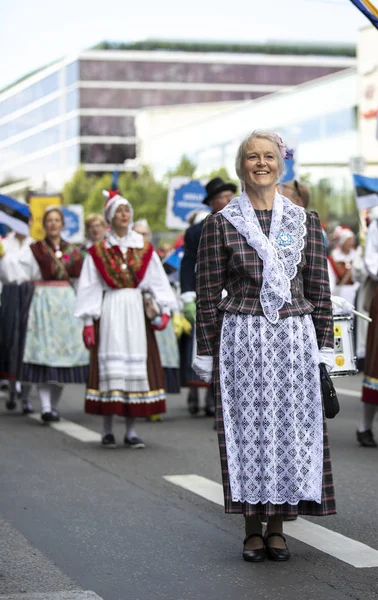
column 279, row 554
column 366, row 439
column 108, row 441
column 11, row 402
column 50, row 417
column 257, row 555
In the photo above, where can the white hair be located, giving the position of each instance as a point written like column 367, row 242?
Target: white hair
column 245, row 146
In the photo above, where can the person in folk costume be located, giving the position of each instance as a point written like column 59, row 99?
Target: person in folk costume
column 370, row 382
column 95, row 227
column 54, row 353
column 14, row 302
column 261, row 345
column 126, row 377
column 340, row 262
column 218, row 195
column 166, row 338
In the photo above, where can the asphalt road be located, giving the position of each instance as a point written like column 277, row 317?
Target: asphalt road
column 78, row 522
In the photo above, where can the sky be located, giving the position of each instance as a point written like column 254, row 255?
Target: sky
column 36, row 32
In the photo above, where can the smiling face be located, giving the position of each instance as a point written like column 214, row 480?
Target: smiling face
column 260, row 165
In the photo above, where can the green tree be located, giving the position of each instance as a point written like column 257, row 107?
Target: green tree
column 185, row 168
column 96, row 201
column 147, row 196
column 224, row 174
column 77, row 190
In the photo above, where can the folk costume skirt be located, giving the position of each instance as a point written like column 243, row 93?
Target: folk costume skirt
column 370, row 382
column 169, row 358
column 54, row 350
column 14, row 309
column 126, row 377
column 272, row 435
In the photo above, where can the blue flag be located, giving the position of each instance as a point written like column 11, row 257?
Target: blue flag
column 368, row 9
column 366, row 191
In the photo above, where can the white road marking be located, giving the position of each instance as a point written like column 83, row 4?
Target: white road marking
column 72, row 429
column 70, row 595
column 335, row 544
column 350, row 393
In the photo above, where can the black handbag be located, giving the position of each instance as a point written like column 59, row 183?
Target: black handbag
column 330, row 400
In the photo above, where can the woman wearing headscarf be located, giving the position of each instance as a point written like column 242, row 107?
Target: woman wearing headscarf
column 261, row 345
column 54, row 353
column 126, row 377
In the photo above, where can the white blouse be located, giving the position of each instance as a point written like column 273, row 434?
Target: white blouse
column 92, row 286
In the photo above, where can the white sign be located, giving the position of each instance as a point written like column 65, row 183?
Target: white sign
column 73, row 223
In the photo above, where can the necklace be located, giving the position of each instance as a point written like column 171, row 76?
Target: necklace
column 58, row 252
column 124, row 264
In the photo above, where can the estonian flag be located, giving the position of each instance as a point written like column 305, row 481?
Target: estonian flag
column 369, row 9
column 14, row 214
column 366, row 191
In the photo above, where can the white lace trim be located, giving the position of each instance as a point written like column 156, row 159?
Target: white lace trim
column 272, row 409
column 280, row 253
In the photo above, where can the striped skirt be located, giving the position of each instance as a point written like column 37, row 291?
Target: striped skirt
column 127, row 404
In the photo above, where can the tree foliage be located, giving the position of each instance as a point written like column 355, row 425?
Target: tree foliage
column 147, row 195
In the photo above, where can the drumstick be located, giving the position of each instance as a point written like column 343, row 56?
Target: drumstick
column 349, row 307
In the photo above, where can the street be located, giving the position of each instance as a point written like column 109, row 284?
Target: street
column 79, row 522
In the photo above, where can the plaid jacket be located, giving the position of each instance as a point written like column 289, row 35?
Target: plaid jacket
column 226, row 261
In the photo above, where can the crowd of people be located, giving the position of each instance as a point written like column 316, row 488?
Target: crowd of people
column 239, row 309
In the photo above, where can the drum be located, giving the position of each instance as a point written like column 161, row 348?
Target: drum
column 344, row 353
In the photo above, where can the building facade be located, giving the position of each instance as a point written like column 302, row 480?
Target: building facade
column 82, row 110
column 318, row 119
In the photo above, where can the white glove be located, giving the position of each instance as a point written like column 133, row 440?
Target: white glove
column 343, row 304
column 326, row 356
column 203, row 366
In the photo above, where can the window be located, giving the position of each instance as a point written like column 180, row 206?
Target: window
column 30, row 94
column 106, row 153
column 33, row 143
column 99, row 125
column 72, row 73
column 39, row 115
column 72, row 100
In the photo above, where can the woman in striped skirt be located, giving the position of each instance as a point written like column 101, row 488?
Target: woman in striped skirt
column 261, row 345
column 54, row 352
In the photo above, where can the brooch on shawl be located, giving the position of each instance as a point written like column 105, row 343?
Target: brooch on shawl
column 284, row 239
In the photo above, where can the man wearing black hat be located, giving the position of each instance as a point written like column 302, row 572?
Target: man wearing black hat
column 218, row 194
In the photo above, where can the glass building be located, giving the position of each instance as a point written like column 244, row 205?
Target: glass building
column 83, row 111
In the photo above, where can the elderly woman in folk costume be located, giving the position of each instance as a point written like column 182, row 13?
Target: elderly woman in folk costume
column 126, row 377
column 261, row 345
column 54, row 352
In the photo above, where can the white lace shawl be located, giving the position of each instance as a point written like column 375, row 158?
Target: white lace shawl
column 280, row 253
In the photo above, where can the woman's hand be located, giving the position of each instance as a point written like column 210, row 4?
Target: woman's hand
column 89, row 338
